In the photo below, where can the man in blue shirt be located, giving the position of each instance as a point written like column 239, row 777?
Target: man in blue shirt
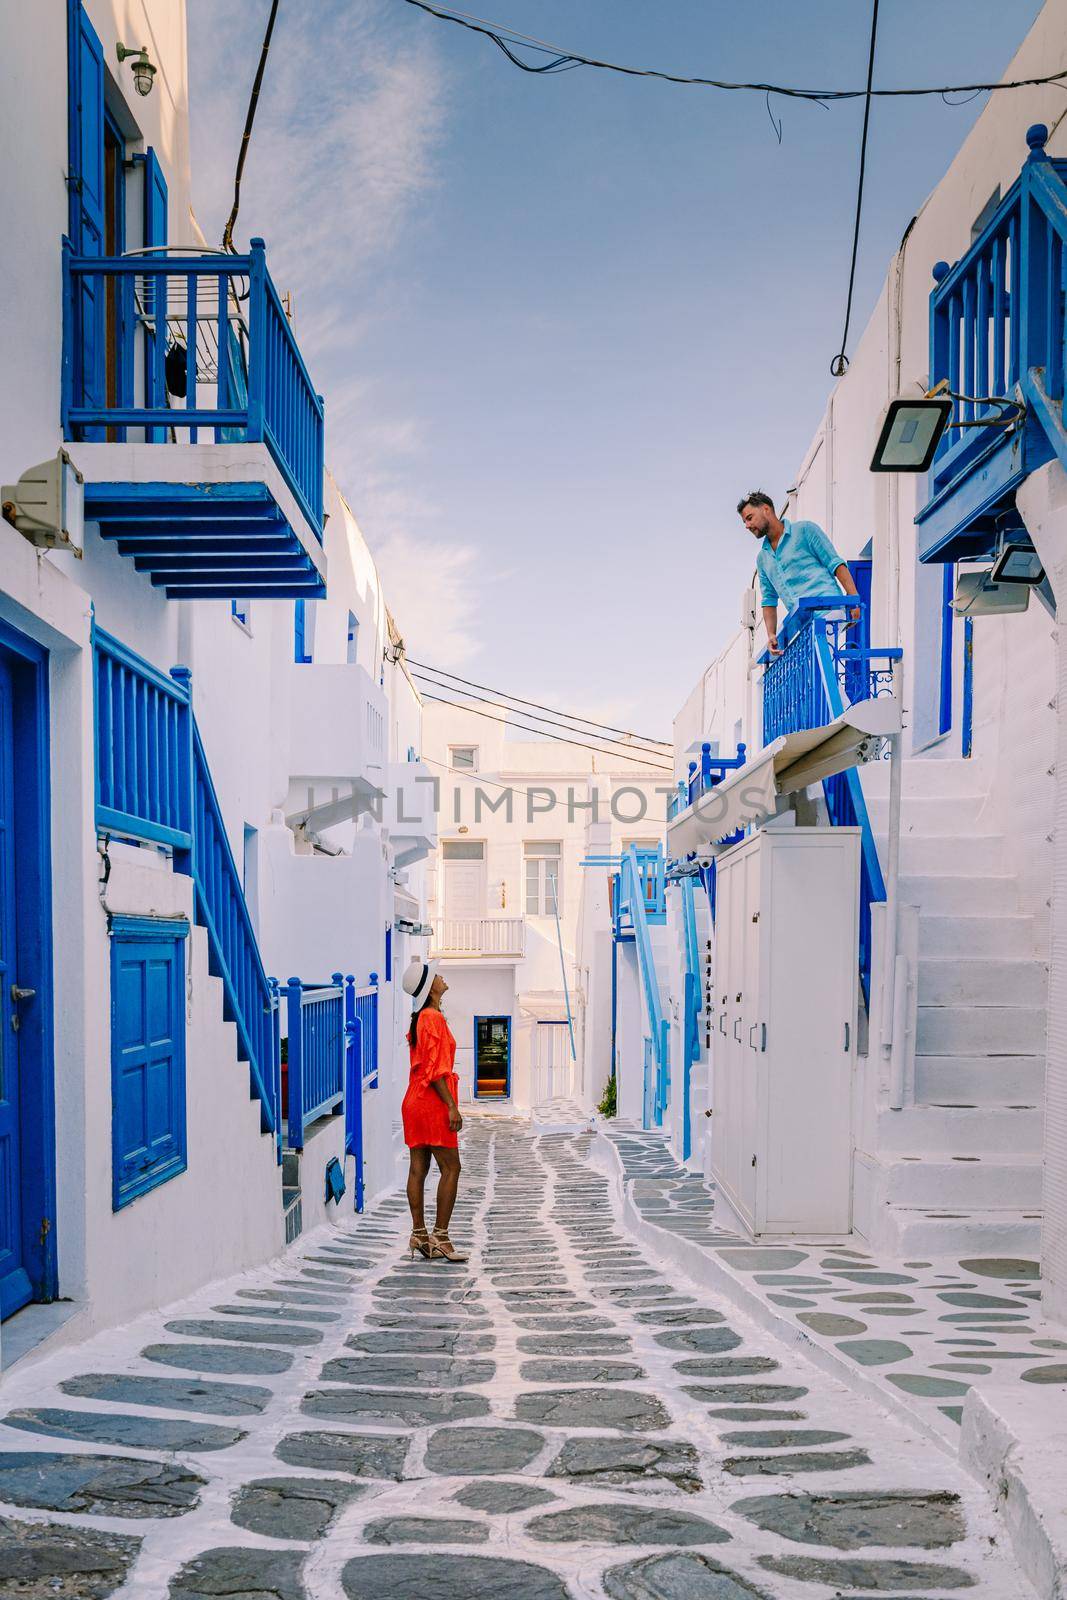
column 795, row 559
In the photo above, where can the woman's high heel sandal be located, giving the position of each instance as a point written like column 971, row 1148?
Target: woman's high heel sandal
column 442, row 1248
column 420, row 1241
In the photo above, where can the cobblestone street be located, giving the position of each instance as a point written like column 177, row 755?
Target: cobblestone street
column 562, row 1417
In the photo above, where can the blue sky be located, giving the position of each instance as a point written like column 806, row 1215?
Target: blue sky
column 561, row 323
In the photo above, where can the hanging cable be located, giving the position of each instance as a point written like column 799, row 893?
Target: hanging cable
column 542, row 733
column 550, row 724
column 563, row 60
column 440, row 672
column 231, row 221
column 839, row 365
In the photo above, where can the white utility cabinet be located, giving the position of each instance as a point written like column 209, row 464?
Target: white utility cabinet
column 784, row 992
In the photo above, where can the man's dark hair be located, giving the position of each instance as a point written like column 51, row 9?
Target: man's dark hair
column 756, row 498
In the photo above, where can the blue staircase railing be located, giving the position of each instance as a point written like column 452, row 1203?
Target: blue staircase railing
column 228, row 363
column 824, row 667
column 705, row 775
column 631, row 898
column 233, row 951
column 143, row 734
column 153, row 784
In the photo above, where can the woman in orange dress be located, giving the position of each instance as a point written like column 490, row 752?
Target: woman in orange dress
column 432, row 1119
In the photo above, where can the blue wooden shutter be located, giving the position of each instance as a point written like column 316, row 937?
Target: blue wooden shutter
column 86, row 187
column 147, row 1055
column 155, row 233
column 300, row 632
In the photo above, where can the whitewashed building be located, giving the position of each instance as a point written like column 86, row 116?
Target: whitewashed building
column 518, row 900
column 951, row 1040
column 208, row 747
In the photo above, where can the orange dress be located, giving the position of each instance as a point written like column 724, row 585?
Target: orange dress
column 433, row 1056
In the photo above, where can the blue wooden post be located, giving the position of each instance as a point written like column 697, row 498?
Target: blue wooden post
column 373, row 1043
column 257, row 339
column 354, row 1089
column 690, row 1046
column 691, row 786
column 185, row 861
column 705, row 766
column 294, row 992
column 276, row 1055
column 66, row 390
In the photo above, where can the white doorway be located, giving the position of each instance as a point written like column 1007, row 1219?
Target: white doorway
column 464, row 878
column 553, row 1065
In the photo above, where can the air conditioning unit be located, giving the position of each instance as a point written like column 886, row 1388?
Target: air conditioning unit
column 47, row 505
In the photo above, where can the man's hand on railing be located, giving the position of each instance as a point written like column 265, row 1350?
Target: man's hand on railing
column 853, row 618
column 773, row 646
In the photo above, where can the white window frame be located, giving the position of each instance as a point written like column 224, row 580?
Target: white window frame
column 542, row 853
column 462, row 767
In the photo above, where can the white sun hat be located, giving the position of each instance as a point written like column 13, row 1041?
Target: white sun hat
column 417, row 980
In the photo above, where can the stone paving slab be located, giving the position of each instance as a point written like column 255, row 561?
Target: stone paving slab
column 632, row 1436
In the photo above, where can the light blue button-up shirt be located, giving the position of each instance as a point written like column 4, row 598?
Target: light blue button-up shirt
column 803, row 564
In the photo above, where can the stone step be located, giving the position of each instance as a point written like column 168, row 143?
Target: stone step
column 938, row 1182
column 947, row 855
column 980, row 1080
column 925, row 815
column 982, row 981
column 964, row 894
column 1009, row 935
column 972, row 1030
column 956, row 1130
column 916, row 1235
column 929, row 777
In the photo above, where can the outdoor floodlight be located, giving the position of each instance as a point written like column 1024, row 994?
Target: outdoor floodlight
column 143, row 70
column 1018, row 563
column 910, row 433
column 978, row 595
column 47, row 505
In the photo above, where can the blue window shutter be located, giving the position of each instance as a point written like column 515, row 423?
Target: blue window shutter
column 388, row 955
column 155, row 233
column 147, row 1055
column 86, row 206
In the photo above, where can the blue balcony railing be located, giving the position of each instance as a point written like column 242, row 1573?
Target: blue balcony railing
column 706, row 774
column 825, row 666
column 169, row 343
column 997, row 333
column 361, row 1070
column 316, row 1054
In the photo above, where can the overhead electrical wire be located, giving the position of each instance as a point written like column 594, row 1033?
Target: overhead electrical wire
column 563, row 60
column 474, row 694
column 246, row 137
column 839, row 365
column 441, row 672
column 616, row 755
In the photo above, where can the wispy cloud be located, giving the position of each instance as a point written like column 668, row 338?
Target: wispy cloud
column 346, row 152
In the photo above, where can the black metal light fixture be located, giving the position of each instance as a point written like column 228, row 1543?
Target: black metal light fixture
column 911, row 430
column 1018, row 562
column 143, row 70
column 910, row 433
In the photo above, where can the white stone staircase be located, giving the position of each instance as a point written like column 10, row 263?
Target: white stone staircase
column 959, row 1168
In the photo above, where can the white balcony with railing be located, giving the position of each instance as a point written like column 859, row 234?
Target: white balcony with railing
column 337, row 726
column 409, row 810
column 479, row 938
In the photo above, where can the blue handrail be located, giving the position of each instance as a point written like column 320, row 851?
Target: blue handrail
column 243, row 375
column 691, row 1008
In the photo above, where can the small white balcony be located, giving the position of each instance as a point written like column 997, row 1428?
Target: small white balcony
column 496, row 938
column 338, row 721
column 409, row 810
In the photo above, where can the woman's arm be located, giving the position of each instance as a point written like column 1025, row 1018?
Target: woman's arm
column 440, row 1087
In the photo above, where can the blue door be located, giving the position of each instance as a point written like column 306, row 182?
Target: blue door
column 88, row 205
column 15, row 1287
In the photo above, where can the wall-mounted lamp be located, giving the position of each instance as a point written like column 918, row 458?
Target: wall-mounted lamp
column 911, row 430
column 143, row 70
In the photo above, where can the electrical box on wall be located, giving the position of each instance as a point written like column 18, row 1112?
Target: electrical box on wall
column 785, row 997
column 47, row 505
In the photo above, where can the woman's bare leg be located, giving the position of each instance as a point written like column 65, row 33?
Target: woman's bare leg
column 418, row 1168
column 448, row 1161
